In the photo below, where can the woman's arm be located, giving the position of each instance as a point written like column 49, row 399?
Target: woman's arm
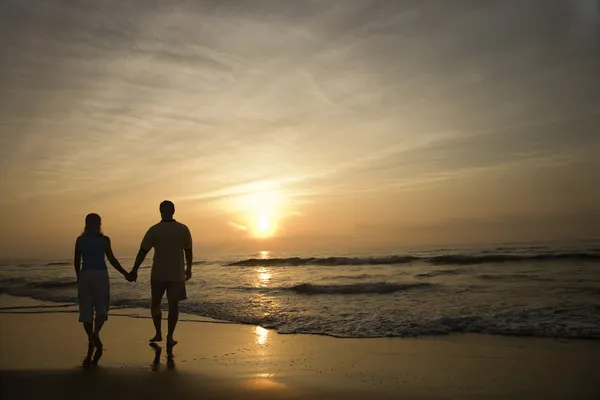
column 77, row 259
column 112, row 259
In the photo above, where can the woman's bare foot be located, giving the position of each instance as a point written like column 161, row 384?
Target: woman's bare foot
column 156, row 338
column 97, row 356
column 97, row 342
column 171, row 342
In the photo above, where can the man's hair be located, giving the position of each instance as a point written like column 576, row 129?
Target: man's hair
column 167, row 207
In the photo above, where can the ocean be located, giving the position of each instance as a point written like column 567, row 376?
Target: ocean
column 534, row 290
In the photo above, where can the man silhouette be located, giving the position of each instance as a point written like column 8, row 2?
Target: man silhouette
column 170, row 240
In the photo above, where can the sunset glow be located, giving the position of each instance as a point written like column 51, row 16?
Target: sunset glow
column 311, row 126
column 260, row 211
column 331, row 188
column 264, row 226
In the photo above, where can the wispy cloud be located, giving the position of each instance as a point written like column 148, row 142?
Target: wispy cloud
column 239, row 227
column 109, row 102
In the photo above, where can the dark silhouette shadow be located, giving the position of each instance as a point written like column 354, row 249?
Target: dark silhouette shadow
column 170, row 357
column 157, row 353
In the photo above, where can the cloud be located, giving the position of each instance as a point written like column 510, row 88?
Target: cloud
column 239, row 227
column 133, row 101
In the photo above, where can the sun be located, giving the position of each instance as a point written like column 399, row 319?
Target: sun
column 262, row 214
column 260, row 211
column 264, row 226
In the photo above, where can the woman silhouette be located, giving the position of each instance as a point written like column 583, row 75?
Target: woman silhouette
column 92, row 278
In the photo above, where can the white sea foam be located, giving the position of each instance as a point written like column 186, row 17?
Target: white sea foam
column 523, row 291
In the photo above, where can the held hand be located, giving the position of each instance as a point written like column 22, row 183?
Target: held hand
column 132, row 276
column 188, row 274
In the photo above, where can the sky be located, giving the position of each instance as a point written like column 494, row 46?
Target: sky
column 299, row 126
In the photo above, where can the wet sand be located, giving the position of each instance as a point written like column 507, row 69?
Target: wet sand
column 42, row 350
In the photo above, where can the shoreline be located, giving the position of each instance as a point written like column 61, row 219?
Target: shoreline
column 144, row 313
column 227, row 360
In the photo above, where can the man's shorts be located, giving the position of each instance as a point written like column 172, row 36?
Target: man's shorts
column 94, row 294
column 175, row 290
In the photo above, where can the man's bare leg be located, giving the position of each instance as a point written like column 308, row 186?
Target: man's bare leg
column 172, row 322
column 157, row 319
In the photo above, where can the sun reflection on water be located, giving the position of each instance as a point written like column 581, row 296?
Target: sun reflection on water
column 264, row 276
column 264, row 255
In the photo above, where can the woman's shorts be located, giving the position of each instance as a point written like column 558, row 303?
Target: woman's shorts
column 94, row 294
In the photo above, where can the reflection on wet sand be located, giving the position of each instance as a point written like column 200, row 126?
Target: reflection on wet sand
column 170, row 358
column 263, row 382
column 262, row 335
column 157, row 353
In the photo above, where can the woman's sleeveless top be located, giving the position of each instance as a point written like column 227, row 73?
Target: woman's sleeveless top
column 92, row 249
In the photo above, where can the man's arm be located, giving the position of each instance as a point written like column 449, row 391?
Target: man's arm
column 189, row 254
column 147, row 245
column 77, row 260
column 141, row 256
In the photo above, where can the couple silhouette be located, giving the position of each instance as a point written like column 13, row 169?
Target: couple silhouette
column 171, row 268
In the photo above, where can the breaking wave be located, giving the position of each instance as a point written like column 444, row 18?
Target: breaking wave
column 358, row 288
column 449, row 259
column 442, row 272
column 354, row 288
column 297, row 261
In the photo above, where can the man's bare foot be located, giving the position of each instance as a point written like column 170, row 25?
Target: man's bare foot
column 156, row 338
column 171, row 342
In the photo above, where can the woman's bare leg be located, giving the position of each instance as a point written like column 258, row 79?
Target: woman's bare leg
column 100, row 319
column 89, row 329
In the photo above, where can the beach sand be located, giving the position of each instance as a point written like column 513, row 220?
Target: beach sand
column 42, row 349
